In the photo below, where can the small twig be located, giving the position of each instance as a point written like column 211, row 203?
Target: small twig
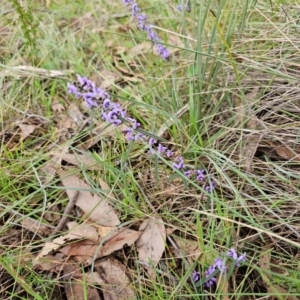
column 65, row 215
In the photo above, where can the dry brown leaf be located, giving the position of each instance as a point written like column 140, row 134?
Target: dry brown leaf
column 223, row 287
column 248, row 151
column 57, row 106
column 264, row 263
column 151, row 244
column 27, row 130
column 265, row 258
column 52, row 214
column 48, row 171
column 86, row 251
column 76, row 290
column 279, row 268
column 36, row 226
column 118, row 240
column 103, row 131
column 170, row 230
column 51, row 263
column 76, row 115
column 80, row 160
column 103, row 231
column 115, row 284
column 95, row 207
column 83, row 231
column 287, row 153
column 109, row 79
column 277, row 289
column 188, row 248
column 81, row 251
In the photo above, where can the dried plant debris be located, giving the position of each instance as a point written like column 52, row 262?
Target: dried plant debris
column 151, row 244
column 95, row 208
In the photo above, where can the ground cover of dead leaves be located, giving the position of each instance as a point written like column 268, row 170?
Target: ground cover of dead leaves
column 83, row 256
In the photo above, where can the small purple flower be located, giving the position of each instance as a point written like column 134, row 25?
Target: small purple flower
column 179, row 7
column 232, row 253
column 139, row 137
column 135, row 9
column 220, row 264
column 210, row 282
column 152, row 141
column 161, row 149
column 169, row 153
column 208, row 273
column 242, row 258
column 106, row 104
column 152, row 35
column 72, row 89
column 180, row 164
column 196, row 276
column 187, row 7
column 166, row 54
column 211, row 186
column 134, row 123
column 89, row 100
column 199, row 175
column 238, row 259
column 130, row 136
column 142, row 17
column 187, row 173
column 127, row 1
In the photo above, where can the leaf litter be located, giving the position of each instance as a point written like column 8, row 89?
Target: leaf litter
column 95, row 208
column 151, row 244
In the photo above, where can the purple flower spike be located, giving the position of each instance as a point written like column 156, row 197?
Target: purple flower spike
column 196, row 276
column 180, row 164
column 151, row 33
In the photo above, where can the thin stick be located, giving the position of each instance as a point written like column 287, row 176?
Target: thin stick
column 65, row 215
